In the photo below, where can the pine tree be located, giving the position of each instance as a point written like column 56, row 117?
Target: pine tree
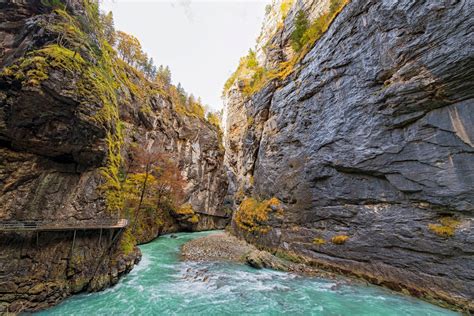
column 301, row 25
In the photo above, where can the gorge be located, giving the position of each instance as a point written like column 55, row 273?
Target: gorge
column 346, row 145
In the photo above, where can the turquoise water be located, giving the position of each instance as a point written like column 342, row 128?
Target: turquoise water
column 162, row 285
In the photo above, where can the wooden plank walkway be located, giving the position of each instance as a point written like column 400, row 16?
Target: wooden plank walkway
column 37, row 225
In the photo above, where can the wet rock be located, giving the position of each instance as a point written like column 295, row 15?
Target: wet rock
column 262, row 259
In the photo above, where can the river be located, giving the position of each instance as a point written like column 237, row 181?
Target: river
column 163, row 285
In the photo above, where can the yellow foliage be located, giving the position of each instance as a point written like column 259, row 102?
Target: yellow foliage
column 185, row 209
column 186, row 213
column 446, row 227
column 285, row 7
column 213, row 118
column 250, row 120
column 252, row 214
column 194, row 219
column 127, row 242
column 194, row 110
column 339, row 239
column 319, row 241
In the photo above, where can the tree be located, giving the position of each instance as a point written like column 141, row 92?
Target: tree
column 167, row 75
column 129, row 48
column 301, row 25
column 154, row 182
column 163, row 76
column 154, row 70
column 182, row 94
column 170, row 184
column 150, row 69
column 191, row 100
column 139, row 61
column 108, row 27
column 143, row 159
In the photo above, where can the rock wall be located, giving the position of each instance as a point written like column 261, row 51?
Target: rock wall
column 69, row 113
column 197, row 147
column 368, row 145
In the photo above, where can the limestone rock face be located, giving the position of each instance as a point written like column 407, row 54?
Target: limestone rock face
column 371, row 137
column 194, row 143
column 58, row 135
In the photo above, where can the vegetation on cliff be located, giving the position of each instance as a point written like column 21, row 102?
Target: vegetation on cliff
column 253, row 215
column 339, row 239
column 446, row 227
column 109, row 70
column 153, row 190
column 252, row 76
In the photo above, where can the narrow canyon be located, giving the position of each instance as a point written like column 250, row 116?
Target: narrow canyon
column 346, row 144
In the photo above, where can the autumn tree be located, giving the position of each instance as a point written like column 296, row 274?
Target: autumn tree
column 191, row 100
column 129, row 47
column 194, row 106
column 154, row 182
column 137, row 184
column 170, row 184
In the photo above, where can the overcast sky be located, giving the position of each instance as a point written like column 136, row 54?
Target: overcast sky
column 201, row 41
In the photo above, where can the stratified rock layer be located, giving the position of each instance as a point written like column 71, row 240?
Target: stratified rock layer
column 371, row 137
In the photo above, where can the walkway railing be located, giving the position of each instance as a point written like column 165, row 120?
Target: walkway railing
column 40, row 225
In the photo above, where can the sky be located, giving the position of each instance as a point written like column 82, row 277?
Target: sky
column 201, row 41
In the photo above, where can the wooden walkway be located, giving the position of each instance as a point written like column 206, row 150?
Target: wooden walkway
column 39, row 226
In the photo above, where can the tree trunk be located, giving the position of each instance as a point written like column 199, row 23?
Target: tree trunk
column 142, row 195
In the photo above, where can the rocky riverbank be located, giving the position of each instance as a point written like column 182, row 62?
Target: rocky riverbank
column 226, row 247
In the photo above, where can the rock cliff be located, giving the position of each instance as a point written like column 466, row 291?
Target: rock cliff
column 361, row 159
column 70, row 112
